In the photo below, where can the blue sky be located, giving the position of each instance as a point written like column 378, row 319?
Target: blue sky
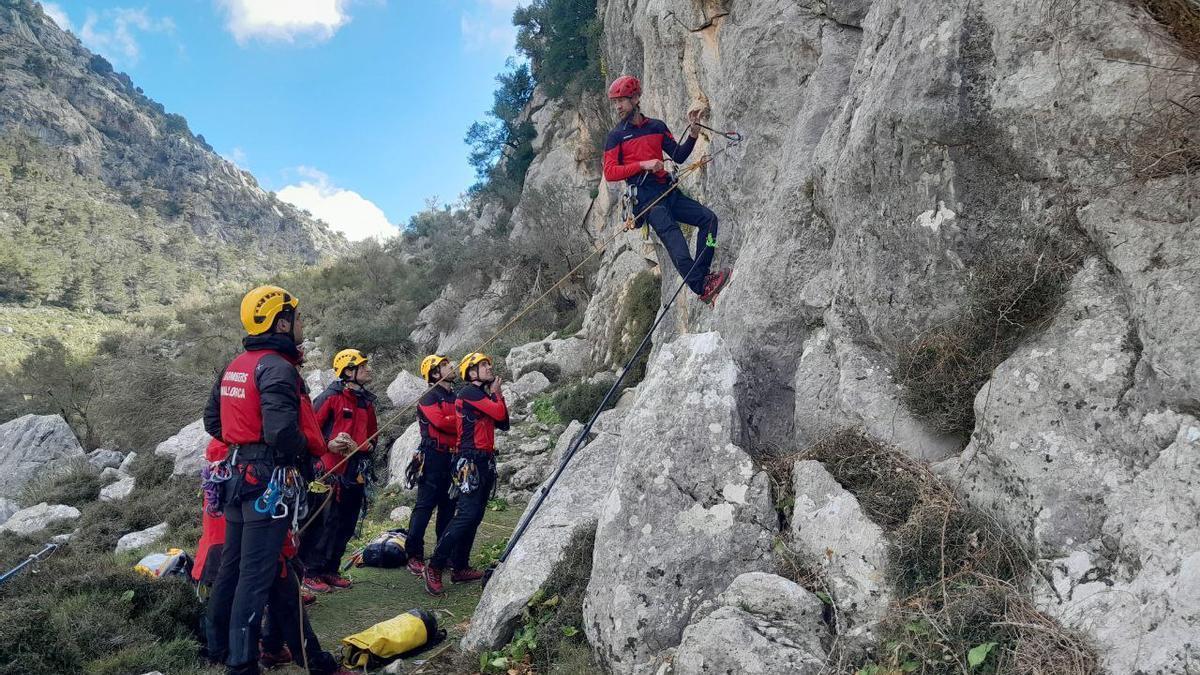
column 353, row 109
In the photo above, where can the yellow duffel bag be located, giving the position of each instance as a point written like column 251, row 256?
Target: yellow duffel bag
column 409, row 633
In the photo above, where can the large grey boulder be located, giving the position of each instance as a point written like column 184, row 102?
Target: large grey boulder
column 317, row 380
column 569, row 354
column 34, row 445
column 104, row 459
column 406, row 389
column 186, row 448
column 571, row 507
column 832, row 535
column 141, row 538
column 402, row 451
column 127, row 463
column 37, row 518
column 764, row 624
column 687, row 511
column 121, row 489
column 525, row 388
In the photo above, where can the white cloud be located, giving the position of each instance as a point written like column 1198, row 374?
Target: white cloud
column 345, row 210
column 57, row 14
column 284, row 20
column 487, row 25
column 112, row 33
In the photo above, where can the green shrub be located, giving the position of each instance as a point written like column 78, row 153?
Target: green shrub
column 562, row 39
column 1010, row 295
column 545, row 411
column 77, row 484
column 579, row 401
column 552, row 371
column 637, row 314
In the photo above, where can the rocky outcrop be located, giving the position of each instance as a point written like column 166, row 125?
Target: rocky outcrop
column 762, row 624
column 186, row 448
column 119, row 489
column 37, row 518
column 525, row 388
column 833, row 536
column 571, row 507
column 406, row 389
column 402, row 450
column 105, row 459
column 687, row 511
column 569, row 354
column 7, row 508
column 140, row 164
column 34, row 446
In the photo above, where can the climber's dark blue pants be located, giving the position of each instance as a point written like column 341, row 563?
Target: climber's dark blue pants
column 665, row 217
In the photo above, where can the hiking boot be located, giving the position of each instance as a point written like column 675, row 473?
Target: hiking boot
column 336, row 580
column 315, row 585
column 269, row 660
column 713, row 284
column 416, row 566
column 466, row 576
column 433, row 581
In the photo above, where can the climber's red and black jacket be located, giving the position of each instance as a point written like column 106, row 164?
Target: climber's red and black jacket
column 630, row 143
column 341, row 409
column 438, row 419
column 480, row 414
column 260, row 403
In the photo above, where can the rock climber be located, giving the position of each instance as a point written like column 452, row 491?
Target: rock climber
column 346, row 414
column 481, row 411
column 432, row 462
column 260, row 408
column 633, row 152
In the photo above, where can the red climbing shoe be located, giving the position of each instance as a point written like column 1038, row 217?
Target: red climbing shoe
column 713, row 284
column 433, row 581
column 308, row 599
column 336, row 580
column 315, row 585
column 466, row 576
column 416, row 566
column 270, row 660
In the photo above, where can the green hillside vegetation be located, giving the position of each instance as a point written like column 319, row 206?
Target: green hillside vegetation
column 67, row 240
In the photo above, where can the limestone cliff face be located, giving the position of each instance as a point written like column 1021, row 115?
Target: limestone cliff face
column 897, row 153
column 65, row 111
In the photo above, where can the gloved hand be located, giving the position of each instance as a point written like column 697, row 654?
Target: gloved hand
column 342, row 444
column 654, row 165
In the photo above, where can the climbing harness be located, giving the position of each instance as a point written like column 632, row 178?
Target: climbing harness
column 33, row 558
column 583, row 433
column 465, row 479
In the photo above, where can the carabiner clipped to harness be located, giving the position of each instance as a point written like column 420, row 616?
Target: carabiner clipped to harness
column 271, row 500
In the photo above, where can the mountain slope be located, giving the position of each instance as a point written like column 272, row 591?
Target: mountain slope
column 94, row 172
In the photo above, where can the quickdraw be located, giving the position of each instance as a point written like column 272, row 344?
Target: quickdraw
column 212, row 480
column 415, row 469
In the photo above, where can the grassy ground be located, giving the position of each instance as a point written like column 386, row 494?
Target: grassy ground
column 380, row 594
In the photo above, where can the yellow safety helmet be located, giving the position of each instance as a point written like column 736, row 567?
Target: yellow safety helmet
column 347, row 358
column 261, row 305
column 430, row 363
column 470, row 361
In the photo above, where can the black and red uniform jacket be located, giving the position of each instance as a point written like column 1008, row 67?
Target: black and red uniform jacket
column 480, row 414
column 630, row 143
column 438, row 419
column 341, row 409
column 260, row 399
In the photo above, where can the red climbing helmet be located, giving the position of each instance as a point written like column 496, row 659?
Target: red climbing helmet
column 625, row 86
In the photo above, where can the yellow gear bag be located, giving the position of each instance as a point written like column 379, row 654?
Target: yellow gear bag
column 412, row 631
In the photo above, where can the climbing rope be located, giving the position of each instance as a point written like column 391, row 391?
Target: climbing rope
column 583, row 433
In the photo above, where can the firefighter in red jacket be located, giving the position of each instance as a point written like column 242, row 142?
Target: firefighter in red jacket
column 481, row 411
column 433, row 460
column 260, row 408
column 633, row 152
column 287, row 631
column 346, row 414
